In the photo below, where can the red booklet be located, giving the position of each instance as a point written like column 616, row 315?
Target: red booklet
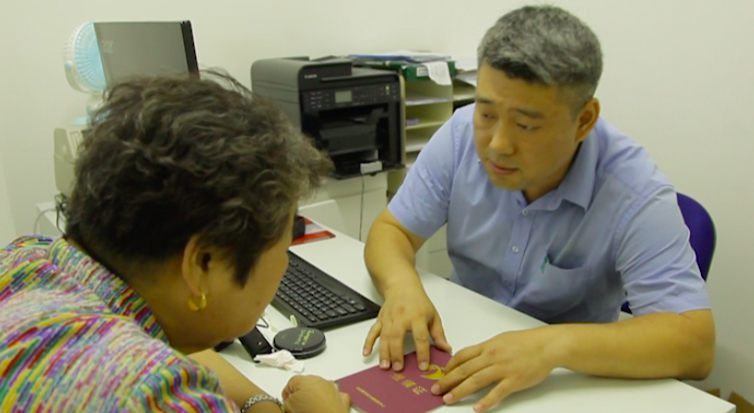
column 386, row 391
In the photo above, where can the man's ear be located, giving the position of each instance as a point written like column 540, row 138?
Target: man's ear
column 195, row 266
column 587, row 118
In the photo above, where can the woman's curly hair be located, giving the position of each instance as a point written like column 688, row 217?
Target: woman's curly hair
column 167, row 158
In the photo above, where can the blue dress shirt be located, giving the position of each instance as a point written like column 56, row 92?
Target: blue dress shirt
column 612, row 231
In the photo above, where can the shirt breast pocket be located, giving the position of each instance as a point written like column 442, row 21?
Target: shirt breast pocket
column 556, row 290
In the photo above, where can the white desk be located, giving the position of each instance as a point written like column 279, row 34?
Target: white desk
column 468, row 319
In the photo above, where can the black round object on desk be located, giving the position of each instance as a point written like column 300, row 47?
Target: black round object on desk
column 302, row 342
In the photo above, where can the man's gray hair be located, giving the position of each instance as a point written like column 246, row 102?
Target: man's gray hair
column 547, row 45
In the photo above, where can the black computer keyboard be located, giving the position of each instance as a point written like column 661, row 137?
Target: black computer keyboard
column 317, row 299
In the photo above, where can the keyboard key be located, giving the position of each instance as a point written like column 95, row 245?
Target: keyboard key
column 331, row 313
column 360, row 307
column 350, row 309
column 341, row 310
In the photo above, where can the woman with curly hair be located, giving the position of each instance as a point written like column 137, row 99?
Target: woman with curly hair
column 176, row 239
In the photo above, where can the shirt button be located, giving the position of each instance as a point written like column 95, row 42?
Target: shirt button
column 515, row 249
column 525, row 212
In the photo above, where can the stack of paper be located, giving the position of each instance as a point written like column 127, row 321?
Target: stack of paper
column 435, row 64
column 466, row 64
column 405, row 56
column 467, row 77
column 467, row 68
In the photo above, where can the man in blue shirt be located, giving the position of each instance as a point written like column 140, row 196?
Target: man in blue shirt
column 549, row 210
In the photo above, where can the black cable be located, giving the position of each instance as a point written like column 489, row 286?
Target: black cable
column 361, row 212
column 61, row 203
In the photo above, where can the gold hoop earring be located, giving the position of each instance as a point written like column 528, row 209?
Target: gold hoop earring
column 202, row 303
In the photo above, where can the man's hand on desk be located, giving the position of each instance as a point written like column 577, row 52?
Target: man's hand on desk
column 404, row 310
column 644, row 347
column 515, row 360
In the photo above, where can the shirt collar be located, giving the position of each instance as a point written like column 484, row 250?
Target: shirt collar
column 578, row 185
column 114, row 292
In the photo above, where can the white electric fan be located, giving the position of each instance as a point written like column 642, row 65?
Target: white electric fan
column 83, row 67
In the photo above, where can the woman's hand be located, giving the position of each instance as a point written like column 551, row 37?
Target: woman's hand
column 312, row 394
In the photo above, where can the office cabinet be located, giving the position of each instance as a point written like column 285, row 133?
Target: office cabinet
column 426, row 107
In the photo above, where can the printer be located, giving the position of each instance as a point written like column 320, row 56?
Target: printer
column 352, row 113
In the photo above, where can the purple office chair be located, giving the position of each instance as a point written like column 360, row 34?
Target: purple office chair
column 702, row 234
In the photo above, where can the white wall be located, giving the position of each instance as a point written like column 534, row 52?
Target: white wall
column 7, row 226
column 677, row 77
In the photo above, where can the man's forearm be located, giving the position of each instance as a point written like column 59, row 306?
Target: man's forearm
column 390, row 258
column 652, row 346
column 236, row 386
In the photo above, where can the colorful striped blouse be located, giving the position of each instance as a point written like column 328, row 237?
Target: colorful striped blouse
column 74, row 337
